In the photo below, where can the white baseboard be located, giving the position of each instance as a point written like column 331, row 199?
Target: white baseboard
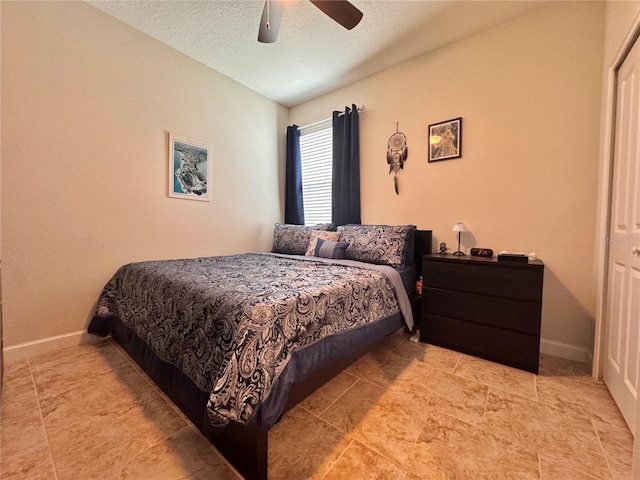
column 565, row 350
column 46, row 345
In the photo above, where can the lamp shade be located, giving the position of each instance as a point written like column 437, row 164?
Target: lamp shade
column 460, row 227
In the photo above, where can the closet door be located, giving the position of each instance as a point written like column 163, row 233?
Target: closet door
column 622, row 348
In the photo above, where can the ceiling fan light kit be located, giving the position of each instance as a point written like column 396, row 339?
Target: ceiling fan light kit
column 341, row 11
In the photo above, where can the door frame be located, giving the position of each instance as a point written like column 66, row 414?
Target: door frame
column 604, row 216
column 604, row 195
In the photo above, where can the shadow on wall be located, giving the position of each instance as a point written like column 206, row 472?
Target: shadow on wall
column 566, row 323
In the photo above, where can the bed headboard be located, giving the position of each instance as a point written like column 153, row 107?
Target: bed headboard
column 423, row 246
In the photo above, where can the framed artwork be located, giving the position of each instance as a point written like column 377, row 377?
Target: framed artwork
column 189, row 168
column 445, row 140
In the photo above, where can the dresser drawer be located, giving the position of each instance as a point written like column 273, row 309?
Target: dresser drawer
column 505, row 313
column 507, row 347
column 509, row 281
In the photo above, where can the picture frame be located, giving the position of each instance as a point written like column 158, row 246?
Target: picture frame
column 189, row 168
column 445, row 140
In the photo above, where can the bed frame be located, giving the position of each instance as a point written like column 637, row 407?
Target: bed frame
column 245, row 446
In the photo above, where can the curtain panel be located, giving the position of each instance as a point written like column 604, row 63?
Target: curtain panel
column 346, row 167
column 293, row 201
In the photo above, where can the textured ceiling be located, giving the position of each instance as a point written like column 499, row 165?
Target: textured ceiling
column 312, row 55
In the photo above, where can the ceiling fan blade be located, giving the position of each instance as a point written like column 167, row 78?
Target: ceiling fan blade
column 270, row 21
column 341, row 11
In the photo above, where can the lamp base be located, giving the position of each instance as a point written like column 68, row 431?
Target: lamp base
column 458, row 253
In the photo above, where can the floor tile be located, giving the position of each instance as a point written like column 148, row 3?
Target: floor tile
column 186, row 454
column 431, row 355
column 449, row 448
column 301, row 446
column 618, row 448
column 361, row 463
column 561, row 435
column 389, row 428
column 25, row 450
column 99, row 412
column 36, row 466
column 16, row 370
column 390, row 342
column 498, row 376
column 583, row 397
column 404, row 411
column 353, row 405
column 322, row 398
column 380, row 367
column 435, row 390
column 105, row 442
column 69, row 362
column 68, row 403
column 218, row 472
column 553, row 470
column 551, row 366
column 381, row 419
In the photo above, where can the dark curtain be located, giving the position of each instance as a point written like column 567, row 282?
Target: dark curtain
column 293, row 203
column 346, row 167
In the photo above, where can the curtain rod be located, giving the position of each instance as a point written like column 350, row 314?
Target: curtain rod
column 361, row 109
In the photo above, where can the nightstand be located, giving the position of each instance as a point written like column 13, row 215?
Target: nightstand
column 483, row 307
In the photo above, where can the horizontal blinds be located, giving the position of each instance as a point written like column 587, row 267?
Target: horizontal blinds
column 316, row 156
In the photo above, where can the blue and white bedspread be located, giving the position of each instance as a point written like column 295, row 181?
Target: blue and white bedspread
column 230, row 323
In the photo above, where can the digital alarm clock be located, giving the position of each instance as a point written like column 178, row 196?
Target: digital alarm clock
column 481, row 252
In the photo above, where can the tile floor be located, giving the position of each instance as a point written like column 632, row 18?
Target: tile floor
column 404, row 411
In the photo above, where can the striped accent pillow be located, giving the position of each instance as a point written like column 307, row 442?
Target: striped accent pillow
column 314, row 235
column 329, row 249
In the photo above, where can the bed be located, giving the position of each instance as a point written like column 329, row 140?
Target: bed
column 237, row 340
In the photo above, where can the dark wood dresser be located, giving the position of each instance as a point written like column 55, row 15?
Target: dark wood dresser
column 483, row 307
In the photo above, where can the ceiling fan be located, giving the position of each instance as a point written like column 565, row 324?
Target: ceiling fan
column 341, row 11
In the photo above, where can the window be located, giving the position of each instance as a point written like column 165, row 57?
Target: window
column 316, row 143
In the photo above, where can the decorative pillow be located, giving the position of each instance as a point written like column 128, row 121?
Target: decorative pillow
column 329, row 249
column 381, row 244
column 315, row 235
column 293, row 239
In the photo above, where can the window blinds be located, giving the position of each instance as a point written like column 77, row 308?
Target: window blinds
column 316, row 144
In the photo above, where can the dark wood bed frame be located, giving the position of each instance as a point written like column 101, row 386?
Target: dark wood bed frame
column 245, row 446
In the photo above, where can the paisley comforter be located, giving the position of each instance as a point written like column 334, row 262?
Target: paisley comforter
column 230, row 323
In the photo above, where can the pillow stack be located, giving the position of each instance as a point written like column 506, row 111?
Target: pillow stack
column 380, row 244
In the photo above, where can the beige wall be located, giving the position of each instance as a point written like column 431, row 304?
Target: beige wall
column 87, row 104
column 529, row 93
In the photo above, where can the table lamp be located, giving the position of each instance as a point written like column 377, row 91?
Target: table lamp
column 459, row 227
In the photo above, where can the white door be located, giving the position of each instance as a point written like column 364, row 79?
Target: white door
column 622, row 348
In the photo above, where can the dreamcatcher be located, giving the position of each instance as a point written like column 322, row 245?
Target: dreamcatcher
column 396, row 155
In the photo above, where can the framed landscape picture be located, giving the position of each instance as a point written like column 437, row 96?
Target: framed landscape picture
column 189, row 168
column 445, row 140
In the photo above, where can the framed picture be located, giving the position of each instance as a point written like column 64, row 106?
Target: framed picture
column 445, row 140
column 189, row 168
